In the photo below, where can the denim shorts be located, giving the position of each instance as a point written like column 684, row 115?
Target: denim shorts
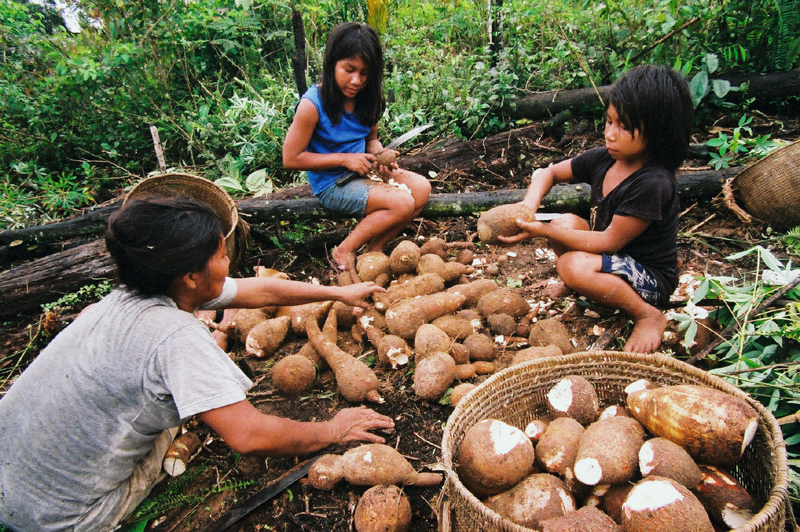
column 626, row 267
column 350, row 198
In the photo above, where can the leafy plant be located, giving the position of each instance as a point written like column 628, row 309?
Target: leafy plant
column 739, row 145
column 84, row 293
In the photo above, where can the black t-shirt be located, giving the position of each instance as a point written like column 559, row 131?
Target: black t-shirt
column 650, row 193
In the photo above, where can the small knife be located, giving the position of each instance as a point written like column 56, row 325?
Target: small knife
column 346, row 178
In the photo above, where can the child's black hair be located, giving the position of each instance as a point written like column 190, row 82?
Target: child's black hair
column 655, row 100
column 353, row 39
column 155, row 240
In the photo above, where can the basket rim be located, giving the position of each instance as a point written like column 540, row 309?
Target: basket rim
column 195, row 180
column 778, row 495
column 788, row 149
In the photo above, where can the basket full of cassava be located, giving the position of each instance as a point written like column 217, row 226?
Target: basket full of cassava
column 610, row 441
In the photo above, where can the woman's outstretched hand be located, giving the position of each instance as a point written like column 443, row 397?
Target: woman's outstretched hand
column 356, row 294
column 354, row 424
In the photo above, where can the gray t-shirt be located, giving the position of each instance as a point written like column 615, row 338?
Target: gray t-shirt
column 89, row 407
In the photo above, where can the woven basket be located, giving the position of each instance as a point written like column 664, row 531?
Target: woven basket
column 517, row 395
column 770, row 188
column 236, row 230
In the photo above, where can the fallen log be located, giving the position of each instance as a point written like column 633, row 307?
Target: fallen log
column 27, row 286
column 32, row 284
column 763, row 87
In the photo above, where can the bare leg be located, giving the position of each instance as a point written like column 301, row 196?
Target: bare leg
column 389, row 210
column 581, row 272
column 567, row 221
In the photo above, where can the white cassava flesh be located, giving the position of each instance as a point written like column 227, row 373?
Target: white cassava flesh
column 658, row 504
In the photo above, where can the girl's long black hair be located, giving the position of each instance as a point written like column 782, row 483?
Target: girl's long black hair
column 655, row 100
column 154, row 240
column 353, row 39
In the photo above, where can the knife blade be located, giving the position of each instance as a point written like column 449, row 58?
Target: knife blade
column 260, row 497
column 405, row 137
column 547, row 216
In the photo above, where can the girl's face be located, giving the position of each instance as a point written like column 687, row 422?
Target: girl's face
column 212, row 278
column 622, row 144
column 351, row 75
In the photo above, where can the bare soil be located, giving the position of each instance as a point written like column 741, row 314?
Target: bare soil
column 709, row 232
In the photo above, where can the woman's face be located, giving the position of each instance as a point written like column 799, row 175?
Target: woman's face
column 212, row 278
column 351, row 75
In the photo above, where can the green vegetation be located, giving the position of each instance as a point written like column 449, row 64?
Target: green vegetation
column 215, row 78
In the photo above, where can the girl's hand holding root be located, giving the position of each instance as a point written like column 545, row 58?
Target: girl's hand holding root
column 385, row 162
column 360, row 163
column 529, row 230
column 356, row 294
column 353, row 424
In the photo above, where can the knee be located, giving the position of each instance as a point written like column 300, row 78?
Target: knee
column 403, row 204
column 574, row 265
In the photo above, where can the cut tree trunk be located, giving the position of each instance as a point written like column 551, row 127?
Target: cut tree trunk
column 29, row 285
column 32, row 284
column 763, row 87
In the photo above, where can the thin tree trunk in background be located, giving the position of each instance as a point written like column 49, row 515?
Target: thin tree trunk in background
column 299, row 57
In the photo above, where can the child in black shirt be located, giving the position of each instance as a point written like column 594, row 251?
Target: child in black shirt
column 625, row 255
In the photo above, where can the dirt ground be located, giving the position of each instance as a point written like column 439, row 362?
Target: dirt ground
column 527, row 268
column 218, row 479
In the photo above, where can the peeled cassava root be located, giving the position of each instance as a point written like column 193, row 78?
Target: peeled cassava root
column 179, row 453
column 714, row 427
column 368, row 465
column 355, row 380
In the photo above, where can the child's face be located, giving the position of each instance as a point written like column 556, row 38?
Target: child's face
column 622, row 144
column 351, row 75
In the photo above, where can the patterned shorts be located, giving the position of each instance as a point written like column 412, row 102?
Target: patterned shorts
column 626, row 267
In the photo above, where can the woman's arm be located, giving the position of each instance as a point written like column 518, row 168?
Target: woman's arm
column 256, row 292
column 295, row 147
column 248, row 431
column 543, row 180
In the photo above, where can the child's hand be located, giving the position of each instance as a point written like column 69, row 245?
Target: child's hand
column 385, row 162
column 356, row 294
column 360, row 163
column 529, row 230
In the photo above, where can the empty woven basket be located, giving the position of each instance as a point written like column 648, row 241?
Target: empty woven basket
column 769, row 189
column 517, row 395
column 236, row 230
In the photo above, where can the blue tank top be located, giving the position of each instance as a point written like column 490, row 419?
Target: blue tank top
column 348, row 136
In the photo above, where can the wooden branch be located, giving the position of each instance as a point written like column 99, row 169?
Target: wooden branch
column 763, row 87
column 157, row 146
column 663, row 39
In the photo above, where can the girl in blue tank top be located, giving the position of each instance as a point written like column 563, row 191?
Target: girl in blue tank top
column 335, row 131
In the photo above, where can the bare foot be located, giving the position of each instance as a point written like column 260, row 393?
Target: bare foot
column 647, row 332
column 339, row 257
column 556, row 290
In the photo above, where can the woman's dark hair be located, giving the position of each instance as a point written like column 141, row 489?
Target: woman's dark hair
column 353, row 39
column 155, row 240
column 655, row 100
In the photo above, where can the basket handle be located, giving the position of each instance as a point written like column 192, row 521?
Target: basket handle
column 443, row 511
column 730, row 202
